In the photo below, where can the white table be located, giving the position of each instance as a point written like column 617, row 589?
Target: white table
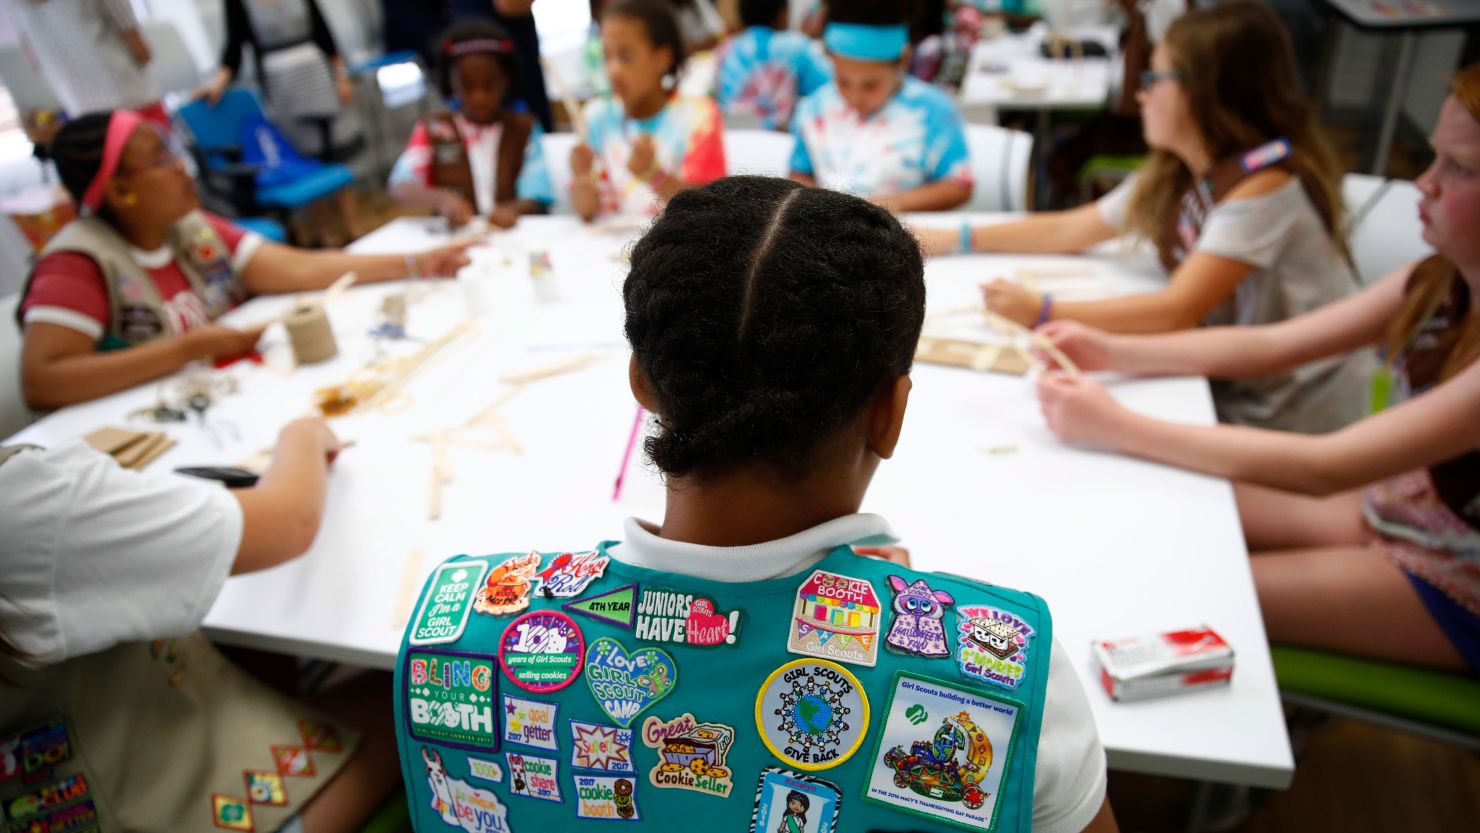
column 1009, row 73
column 1117, row 546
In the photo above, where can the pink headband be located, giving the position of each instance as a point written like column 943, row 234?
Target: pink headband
column 470, row 47
column 121, row 125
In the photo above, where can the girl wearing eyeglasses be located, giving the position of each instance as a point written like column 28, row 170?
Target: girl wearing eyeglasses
column 1241, row 197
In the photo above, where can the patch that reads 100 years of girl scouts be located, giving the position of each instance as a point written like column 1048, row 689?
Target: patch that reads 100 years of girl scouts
column 836, row 617
column 812, row 714
column 691, row 755
column 451, row 698
column 542, row 651
column 444, row 609
column 787, row 802
column 992, row 645
column 942, row 752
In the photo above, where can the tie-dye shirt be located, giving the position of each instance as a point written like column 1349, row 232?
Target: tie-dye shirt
column 763, row 73
column 481, row 140
column 914, row 139
column 688, row 143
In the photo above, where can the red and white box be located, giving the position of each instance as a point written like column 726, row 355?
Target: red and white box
column 1142, row 667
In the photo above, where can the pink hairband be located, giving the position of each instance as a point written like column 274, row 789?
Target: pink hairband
column 468, row 47
column 121, row 125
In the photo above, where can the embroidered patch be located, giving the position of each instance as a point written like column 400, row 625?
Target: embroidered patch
column 836, row 617
column 508, row 586
column 530, row 722
column 460, row 804
column 293, row 760
column 684, row 619
column 485, row 770
column 534, row 777
column 231, row 813
column 36, row 750
column 598, row 746
column 919, row 616
column 46, row 798
column 569, row 574
column 992, row 645
column 542, row 651
column 812, row 714
column 934, row 756
column 443, row 615
column 81, row 816
column 606, row 797
column 450, row 699
column 614, row 607
column 791, row 803
column 625, row 684
column 691, row 755
column 318, row 735
column 265, row 787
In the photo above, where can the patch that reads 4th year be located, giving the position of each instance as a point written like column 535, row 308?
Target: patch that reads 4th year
column 451, row 698
column 691, row 755
column 684, row 619
column 444, row 610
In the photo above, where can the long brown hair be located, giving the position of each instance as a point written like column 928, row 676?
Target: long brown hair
column 1433, row 280
column 1237, row 71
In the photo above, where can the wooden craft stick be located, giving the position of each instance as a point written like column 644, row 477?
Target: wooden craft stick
column 443, row 464
column 338, row 287
column 410, row 576
column 573, row 107
column 406, row 368
column 1037, row 338
column 524, row 377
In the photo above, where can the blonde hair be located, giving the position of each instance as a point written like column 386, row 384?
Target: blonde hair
column 1237, row 71
column 1433, row 280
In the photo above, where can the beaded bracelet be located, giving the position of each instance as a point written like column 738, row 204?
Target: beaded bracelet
column 1045, row 312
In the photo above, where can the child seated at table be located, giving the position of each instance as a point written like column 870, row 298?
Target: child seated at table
column 765, row 69
column 876, row 131
column 773, row 328
column 1366, row 540
column 650, row 141
column 112, row 703
column 484, row 158
column 129, row 291
column 1242, row 197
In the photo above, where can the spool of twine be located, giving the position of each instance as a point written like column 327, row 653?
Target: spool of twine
column 310, row 335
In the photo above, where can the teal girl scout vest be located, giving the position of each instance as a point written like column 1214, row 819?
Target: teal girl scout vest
column 534, row 692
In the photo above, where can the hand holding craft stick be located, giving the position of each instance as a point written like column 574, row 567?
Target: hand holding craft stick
column 1044, row 343
column 572, row 107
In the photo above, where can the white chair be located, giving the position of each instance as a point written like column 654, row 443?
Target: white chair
column 13, row 413
column 1000, row 162
column 1383, row 228
column 759, row 152
column 557, row 159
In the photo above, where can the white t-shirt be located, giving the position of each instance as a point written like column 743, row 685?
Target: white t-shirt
column 95, row 554
column 1069, row 784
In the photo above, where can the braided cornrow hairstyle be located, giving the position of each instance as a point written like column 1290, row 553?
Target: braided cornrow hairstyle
column 77, row 150
column 764, row 315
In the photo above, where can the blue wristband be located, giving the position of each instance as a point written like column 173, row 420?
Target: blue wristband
column 965, row 244
column 1045, row 312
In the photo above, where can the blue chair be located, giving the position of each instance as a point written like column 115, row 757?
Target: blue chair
column 216, row 144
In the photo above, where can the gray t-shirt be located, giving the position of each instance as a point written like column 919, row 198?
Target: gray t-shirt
column 1297, row 268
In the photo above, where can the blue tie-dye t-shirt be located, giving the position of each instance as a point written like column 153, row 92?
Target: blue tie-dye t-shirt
column 764, row 73
column 918, row 137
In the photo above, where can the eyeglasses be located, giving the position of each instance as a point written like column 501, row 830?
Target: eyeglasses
column 1151, row 76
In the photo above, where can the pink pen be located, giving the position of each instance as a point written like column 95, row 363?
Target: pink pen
column 627, row 455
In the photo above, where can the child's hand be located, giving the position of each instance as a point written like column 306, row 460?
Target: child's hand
column 1012, row 301
column 456, row 209
column 643, row 158
column 317, row 431
column 444, row 262
column 582, row 159
column 1085, row 346
column 215, row 341
column 344, row 88
column 1080, row 411
column 505, row 216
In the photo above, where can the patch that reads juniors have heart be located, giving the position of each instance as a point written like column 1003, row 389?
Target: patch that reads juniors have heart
column 684, row 619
